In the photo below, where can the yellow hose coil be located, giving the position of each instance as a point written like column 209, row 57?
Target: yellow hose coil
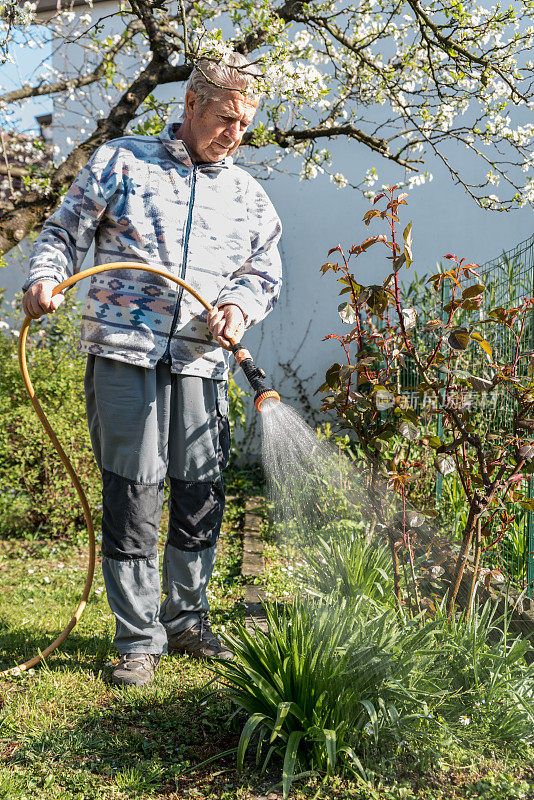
column 65, row 459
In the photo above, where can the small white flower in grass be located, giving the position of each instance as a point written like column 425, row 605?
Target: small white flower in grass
column 31, row 600
column 31, row 571
column 31, row 671
column 15, row 671
column 46, row 579
column 368, row 729
column 464, row 720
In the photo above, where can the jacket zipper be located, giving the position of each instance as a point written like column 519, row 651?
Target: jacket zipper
column 166, row 357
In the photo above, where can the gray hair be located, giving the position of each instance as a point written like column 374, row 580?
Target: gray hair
column 209, row 77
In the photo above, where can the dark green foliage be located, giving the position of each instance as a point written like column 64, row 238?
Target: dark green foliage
column 36, row 493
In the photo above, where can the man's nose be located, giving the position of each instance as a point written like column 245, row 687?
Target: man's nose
column 232, row 130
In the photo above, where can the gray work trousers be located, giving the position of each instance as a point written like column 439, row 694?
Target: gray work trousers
column 148, row 426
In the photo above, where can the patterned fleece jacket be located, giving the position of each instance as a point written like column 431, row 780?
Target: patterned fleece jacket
column 141, row 198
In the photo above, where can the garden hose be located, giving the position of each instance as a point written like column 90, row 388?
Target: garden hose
column 243, row 357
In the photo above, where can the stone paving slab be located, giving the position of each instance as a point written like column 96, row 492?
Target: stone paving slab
column 253, row 564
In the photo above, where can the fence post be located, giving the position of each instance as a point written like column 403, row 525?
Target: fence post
column 530, row 523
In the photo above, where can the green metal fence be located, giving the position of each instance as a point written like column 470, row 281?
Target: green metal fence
column 508, row 278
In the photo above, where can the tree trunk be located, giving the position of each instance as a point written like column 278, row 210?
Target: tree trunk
column 462, row 558
column 396, row 570
column 478, row 551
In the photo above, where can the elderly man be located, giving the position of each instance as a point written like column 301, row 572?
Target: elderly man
column 157, row 362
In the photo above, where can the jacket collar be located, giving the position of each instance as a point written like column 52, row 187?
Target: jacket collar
column 178, row 149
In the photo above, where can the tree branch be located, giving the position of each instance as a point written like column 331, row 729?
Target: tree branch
column 74, row 83
column 288, row 138
column 447, row 43
column 34, row 208
column 144, row 10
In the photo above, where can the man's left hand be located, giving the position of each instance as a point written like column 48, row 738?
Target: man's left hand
column 225, row 323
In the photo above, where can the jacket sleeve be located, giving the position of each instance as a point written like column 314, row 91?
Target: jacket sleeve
column 60, row 248
column 255, row 286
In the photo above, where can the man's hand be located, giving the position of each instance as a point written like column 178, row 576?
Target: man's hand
column 38, row 299
column 225, row 323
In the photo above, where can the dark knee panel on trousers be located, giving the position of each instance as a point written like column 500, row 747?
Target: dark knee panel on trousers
column 196, row 512
column 131, row 514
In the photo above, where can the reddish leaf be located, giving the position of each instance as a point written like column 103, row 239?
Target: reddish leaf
column 473, row 304
column 370, row 215
column 326, row 267
column 373, row 240
column 473, row 291
column 516, row 478
column 333, row 250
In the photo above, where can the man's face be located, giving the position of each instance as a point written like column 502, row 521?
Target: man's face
column 216, row 130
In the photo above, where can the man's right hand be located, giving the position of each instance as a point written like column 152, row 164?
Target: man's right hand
column 38, row 299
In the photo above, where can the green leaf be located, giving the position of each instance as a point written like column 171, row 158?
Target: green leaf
column 377, row 300
column 281, row 714
column 330, row 739
column 407, row 236
column 290, row 757
column 250, row 726
column 459, row 339
column 373, row 718
column 483, row 344
column 332, row 375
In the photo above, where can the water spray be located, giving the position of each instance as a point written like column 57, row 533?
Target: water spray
column 253, row 374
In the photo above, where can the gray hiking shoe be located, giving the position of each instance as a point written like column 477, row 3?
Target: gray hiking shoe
column 199, row 641
column 135, row 669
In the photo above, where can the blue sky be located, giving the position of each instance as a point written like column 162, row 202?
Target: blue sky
column 25, row 69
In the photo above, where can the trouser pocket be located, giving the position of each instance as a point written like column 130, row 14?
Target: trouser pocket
column 223, row 424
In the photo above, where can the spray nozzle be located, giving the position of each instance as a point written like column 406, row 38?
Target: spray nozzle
column 254, row 375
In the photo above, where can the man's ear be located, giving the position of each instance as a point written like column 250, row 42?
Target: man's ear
column 190, row 103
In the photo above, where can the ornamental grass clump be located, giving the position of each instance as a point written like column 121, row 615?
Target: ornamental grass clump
column 323, row 681
column 353, row 685
column 490, row 697
column 341, row 563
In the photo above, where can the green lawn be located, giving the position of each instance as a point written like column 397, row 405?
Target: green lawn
column 67, row 734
